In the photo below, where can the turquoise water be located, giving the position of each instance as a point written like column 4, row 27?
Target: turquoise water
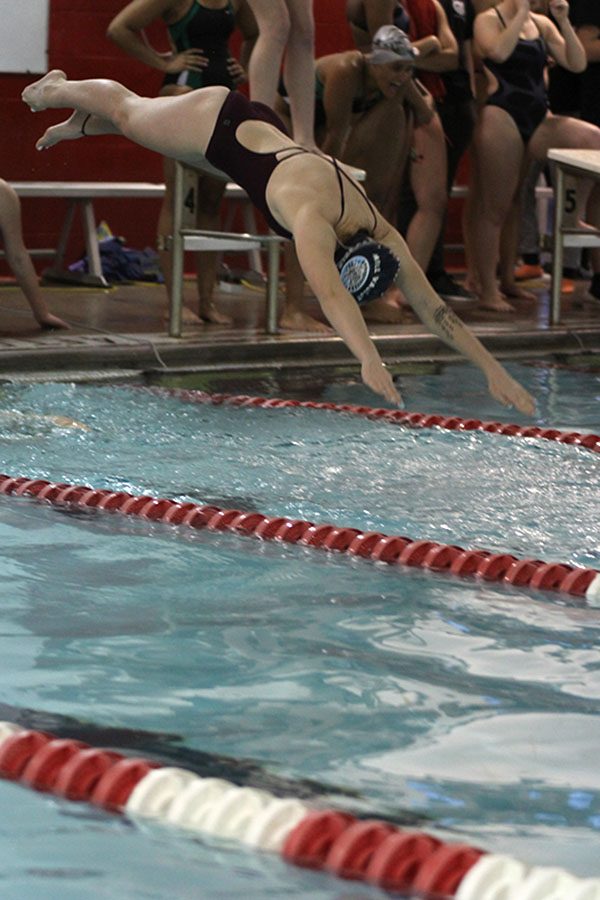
column 400, row 693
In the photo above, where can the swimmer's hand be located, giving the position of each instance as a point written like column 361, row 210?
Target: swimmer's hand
column 376, row 376
column 49, row 322
column 192, row 59
column 560, row 10
column 509, row 392
column 237, row 71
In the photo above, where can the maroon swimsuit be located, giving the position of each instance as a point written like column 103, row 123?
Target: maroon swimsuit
column 249, row 169
column 252, row 170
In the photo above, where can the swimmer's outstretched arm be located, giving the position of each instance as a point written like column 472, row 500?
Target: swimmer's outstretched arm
column 315, row 244
column 441, row 320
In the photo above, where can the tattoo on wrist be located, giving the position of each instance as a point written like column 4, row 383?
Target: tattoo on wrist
column 446, row 320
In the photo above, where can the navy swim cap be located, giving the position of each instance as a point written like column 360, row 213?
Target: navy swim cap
column 367, row 269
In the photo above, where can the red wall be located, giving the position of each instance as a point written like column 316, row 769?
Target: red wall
column 77, row 44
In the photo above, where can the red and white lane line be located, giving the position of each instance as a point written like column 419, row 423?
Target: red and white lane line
column 374, row 545
column 389, row 416
column 369, row 850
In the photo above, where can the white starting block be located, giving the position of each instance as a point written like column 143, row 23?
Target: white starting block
column 186, row 237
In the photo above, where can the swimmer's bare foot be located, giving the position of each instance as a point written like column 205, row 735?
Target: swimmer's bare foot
column 394, row 297
column 69, row 130
column 188, row 317
column 208, row 312
column 471, row 284
column 586, row 226
column 512, row 290
column 381, row 312
column 295, row 320
column 495, row 303
column 37, row 95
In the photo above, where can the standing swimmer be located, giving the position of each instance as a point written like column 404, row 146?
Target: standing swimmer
column 516, row 126
column 199, row 34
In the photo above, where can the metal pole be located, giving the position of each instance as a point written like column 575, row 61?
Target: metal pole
column 273, row 252
column 557, row 245
column 177, row 251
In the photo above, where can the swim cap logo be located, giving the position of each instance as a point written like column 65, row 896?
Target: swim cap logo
column 366, row 268
column 355, row 273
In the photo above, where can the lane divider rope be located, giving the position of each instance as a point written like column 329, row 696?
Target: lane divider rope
column 374, row 545
column 389, row 416
column 330, row 840
column 337, row 842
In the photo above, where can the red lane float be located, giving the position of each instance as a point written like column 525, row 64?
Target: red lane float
column 398, row 860
column 390, row 549
column 310, row 843
column 115, row 785
column 18, row 750
column 351, row 853
column 391, row 416
column 329, row 840
column 79, row 776
column 44, row 766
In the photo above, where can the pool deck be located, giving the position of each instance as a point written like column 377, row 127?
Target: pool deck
column 120, row 332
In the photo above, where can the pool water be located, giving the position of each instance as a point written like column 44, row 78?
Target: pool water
column 468, row 708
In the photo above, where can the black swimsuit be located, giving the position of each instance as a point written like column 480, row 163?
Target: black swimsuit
column 358, row 17
column 521, row 90
column 208, row 30
column 250, row 169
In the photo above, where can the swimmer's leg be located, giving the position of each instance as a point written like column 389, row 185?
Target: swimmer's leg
column 176, row 126
column 80, row 124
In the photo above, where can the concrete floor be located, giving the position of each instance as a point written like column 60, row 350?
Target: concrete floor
column 121, row 332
